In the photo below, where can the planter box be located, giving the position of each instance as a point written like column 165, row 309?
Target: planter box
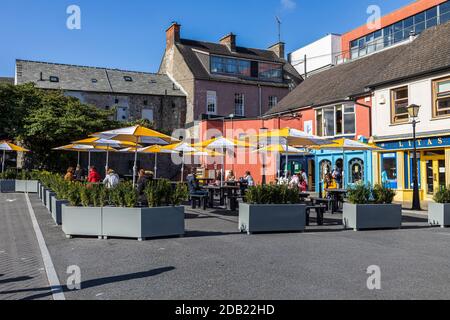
column 27, row 186
column 271, row 218
column 44, row 195
column 439, row 214
column 7, row 185
column 372, row 216
column 81, row 221
column 48, row 199
column 39, row 190
column 142, row 223
column 57, row 210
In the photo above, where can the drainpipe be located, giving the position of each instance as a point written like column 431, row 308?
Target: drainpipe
column 260, row 100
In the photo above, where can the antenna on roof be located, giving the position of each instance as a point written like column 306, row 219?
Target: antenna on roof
column 279, row 28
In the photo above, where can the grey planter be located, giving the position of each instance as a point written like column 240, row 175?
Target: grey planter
column 48, row 199
column 57, row 210
column 44, row 195
column 372, row 216
column 27, row 186
column 439, row 214
column 7, row 186
column 81, row 221
column 39, row 190
column 143, row 223
column 255, row 218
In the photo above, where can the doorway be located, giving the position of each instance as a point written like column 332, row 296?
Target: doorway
column 435, row 171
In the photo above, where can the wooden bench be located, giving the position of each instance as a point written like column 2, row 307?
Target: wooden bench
column 202, row 199
column 320, row 210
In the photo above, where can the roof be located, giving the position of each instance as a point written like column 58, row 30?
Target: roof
column 93, row 79
column 195, row 54
column 428, row 53
column 7, row 80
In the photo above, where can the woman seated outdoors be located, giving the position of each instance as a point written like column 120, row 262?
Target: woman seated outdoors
column 230, row 177
column 69, row 175
column 297, row 181
column 329, row 182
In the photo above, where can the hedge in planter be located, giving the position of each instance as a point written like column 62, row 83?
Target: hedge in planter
column 8, row 181
column 272, row 208
column 371, row 208
column 439, row 212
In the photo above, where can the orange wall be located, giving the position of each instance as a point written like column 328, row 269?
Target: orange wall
column 393, row 17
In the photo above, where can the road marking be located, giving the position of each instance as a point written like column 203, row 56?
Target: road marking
column 57, row 290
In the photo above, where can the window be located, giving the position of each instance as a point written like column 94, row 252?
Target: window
column 211, row 102
column 336, row 121
column 127, row 78
column 270, row 71
column 431, row 17
column 116, row 101
column 147, row 114
column 419, row 22
column 230, row 66
column 273, row 101
column 399, row 100
column 54, row 79
column 389, row 170
column 444, row 11
column 441, row 97
column 239, row 104
column 145, row 103
column 356, row 170
column 94, row 80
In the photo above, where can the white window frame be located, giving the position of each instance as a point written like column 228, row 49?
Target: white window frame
column 271, row 100
column 335, row 107
column 211, row 96
column 242, row 106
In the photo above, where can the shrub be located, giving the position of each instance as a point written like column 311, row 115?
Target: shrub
column 382, row 194
column 85, row 196
column 359, row 194
column 74, row 193
column 443, row 195
column 159, row 193
column 9, row 174
column 272, row 194
column 99, row 195
column 181, row 194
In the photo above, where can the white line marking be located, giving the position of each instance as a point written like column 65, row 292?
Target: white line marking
column 57, row 290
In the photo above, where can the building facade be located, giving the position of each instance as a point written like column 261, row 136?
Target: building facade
column 223, row 78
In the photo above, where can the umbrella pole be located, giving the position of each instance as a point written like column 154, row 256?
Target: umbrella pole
column 135, row 164
column 287, row 160
column 78, row 163
column 182, row 166
column 222, row 171
column 3, row 161
column 156, row 164
column 89, row 160
column 107, row 160
column 343, row 168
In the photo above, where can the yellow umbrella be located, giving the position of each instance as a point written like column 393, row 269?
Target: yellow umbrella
column 346, row 145
column 137, row 134
column 8, row 146
column 223, row 144
column 84, row 148
column 99, row 142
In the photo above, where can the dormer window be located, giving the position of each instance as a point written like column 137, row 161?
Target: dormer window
column 94, row 80
column 54, row 79
column 128, row 79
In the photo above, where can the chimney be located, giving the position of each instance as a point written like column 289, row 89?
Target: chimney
column 278, row 48
column 230, row 41
column 173, row 35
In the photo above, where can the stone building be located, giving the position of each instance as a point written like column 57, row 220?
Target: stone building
column 221, row 79
column 133, row 96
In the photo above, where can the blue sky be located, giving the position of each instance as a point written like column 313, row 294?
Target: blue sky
column 131, row 34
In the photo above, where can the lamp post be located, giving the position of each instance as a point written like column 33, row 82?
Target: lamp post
column 413, row 111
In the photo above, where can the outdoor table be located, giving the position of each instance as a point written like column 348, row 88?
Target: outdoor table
column 303, row 195
column 211, row 191
column 337, row 195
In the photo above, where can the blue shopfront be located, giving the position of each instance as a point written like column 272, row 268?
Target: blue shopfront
column 395, row 165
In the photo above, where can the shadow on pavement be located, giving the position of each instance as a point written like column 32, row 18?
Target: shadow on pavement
column 18, row 279
column 93, row 283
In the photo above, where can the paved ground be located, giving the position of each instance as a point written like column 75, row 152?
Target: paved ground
column 214, row 261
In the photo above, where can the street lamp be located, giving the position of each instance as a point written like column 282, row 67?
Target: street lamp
column 413, row 111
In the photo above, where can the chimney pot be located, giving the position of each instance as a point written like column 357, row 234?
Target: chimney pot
column 230, row 41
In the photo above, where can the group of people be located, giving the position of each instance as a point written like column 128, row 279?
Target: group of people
column 333, row 180
column 247, row 179
column 77, row 174
column 297, row 180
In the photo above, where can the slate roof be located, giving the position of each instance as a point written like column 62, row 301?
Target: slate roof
column 429, row 52
column 198, row 65
column 80, row 78
column 6, row 80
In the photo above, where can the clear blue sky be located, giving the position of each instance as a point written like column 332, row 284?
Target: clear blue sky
column 131, row 34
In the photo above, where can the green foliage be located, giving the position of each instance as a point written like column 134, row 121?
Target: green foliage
column 74, row 193
column 124, row 195
column 272, row 194
column 359, row 194
column 86, row 196
column 99, row 195
column 159, row 193
column 443, row 195
column 181, row 194
column 9, row 174
column 382, row 194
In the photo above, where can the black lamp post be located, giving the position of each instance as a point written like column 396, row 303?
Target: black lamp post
column 413, row 111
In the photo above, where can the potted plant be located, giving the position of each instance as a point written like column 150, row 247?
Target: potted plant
column 61, row 188
column 369, row 208
column 79, row 217
column 7, row 181
column 439, row 211
column 27, row 182
column 163, row 217
column 272, row 208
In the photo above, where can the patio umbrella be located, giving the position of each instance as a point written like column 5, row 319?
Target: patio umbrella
column 182, row 148
column 8, row 146
column 291, row 137
column 223, row 144
column 84, row 148
column 99, row 142
column 138, row 135
column 281, row 149
column 344, row 145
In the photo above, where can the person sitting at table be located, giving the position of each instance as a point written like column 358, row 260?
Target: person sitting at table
column 78, row 174
column 193, row 185
column 303, row 185
column 230, row 176
column 284, row 180
column 111, row 180
column 330, row 183
column 248, row 179
column 295, row 181
column 69, row 175
column 94, row 176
